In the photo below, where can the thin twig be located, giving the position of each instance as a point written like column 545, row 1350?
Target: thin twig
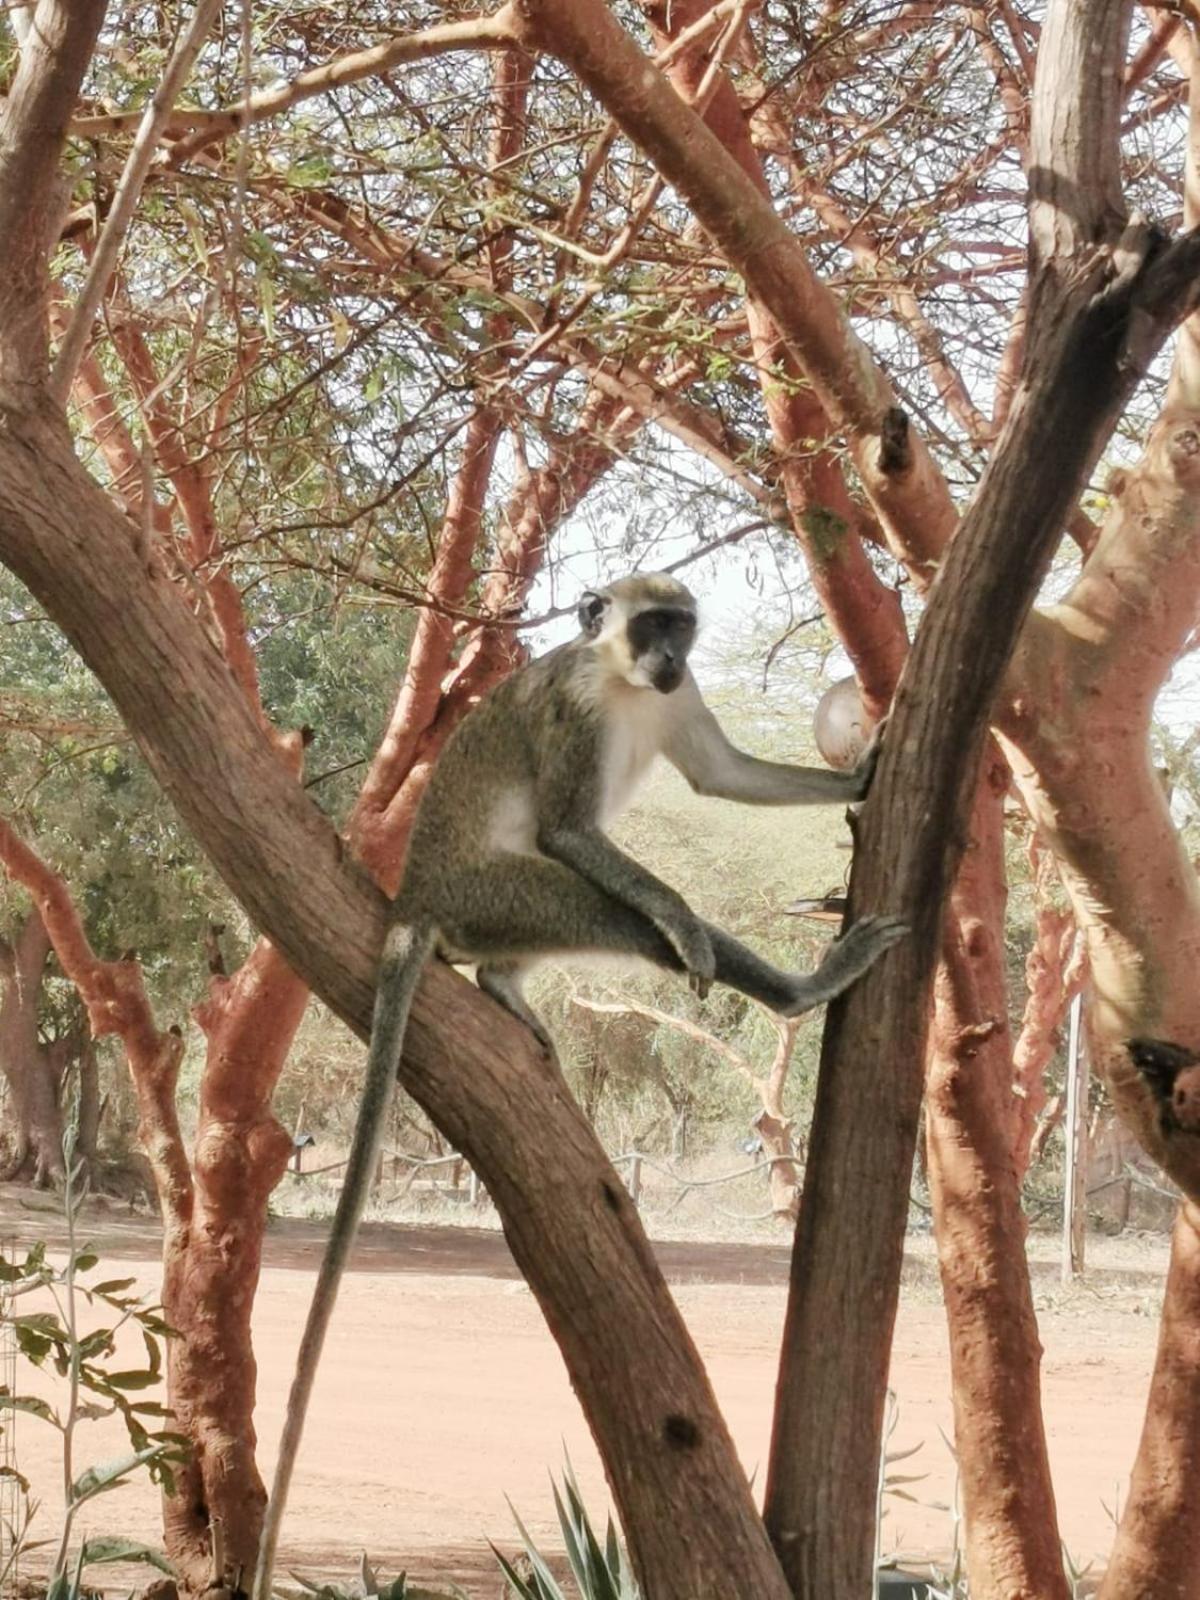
column 125, row 200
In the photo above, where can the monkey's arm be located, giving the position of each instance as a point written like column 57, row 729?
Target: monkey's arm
column 697, row 745
column 568, row 796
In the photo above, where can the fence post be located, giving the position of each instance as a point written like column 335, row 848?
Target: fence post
column 635, row 1177
column 1076, row 1129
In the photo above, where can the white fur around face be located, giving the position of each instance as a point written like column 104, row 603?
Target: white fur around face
column 611, row 645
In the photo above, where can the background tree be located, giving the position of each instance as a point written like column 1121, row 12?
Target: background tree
column 368, row 321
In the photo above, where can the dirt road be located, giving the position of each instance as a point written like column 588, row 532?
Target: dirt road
column 442, row 1392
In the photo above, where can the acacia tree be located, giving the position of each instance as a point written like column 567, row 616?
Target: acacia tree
column 513, row 318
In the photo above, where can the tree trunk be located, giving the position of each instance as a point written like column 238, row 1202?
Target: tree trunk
column 35, row 1115
column 571, row 1228
column 1012, row 1542
column 212, row 1255
column 1157, row 1551
column 1053, row 979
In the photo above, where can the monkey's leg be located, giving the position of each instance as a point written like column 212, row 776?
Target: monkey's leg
column 515, row 906
column 512, row 907
column 502, row 980
column 791, row 993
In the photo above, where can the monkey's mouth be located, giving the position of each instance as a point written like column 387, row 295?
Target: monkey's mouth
column 667, row 679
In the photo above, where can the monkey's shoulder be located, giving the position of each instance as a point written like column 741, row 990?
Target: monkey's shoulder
column 559, row 691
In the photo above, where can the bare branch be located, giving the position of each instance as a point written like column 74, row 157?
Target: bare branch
column 128, row 192
column 468, row 33
column 893, row 462
column 1074, row 163
column 33, row 126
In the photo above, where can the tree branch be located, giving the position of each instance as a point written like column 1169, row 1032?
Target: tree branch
column 466, row 33
column 33, row 125
column 127, row 194
column 574, row 1233
column 892, row 460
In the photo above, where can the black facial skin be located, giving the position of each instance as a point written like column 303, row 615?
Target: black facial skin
column 661, row 639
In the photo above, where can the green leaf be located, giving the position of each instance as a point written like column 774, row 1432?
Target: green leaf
column 28, row 1403
column 86, row 1260
column 113, row 1285
column 515, row 1582
column 33, row 1346
column 137, row 1379
column 107, row 1475
column 111, row 1548
column 547, row 1584
column 95, row 1344
column 19, row 1478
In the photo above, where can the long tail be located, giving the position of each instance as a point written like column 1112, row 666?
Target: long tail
column 405, row 952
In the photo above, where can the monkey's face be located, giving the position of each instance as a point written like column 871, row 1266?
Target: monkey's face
column 643, row 628
column 659, row 642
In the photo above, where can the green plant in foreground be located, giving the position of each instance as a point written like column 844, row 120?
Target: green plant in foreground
column 367, row 1586
column 94, row 1388
column 601, row 1572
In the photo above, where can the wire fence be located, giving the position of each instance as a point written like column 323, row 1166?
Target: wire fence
column 672, row 1186
column 634, row 1165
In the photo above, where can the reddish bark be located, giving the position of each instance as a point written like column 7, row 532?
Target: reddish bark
column 827, row 521
column 1080, row 741
column 212, row 1213
column 1157, row 1553
column 1012, row 1542
column 210, row 1277
column 540, row 501
column 893, row 462
column 378, row 827
column 191, row 480
column 1082, row 758
column 1053, row 977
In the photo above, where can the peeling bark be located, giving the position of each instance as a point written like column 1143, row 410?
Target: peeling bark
column 1053, row 976
column 1080, row 749
column 1157, row 1552
column 1012, row 1543
column 211, row 1264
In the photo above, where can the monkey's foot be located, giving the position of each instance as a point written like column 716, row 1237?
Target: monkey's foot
column 504, row 987
column 859, row 948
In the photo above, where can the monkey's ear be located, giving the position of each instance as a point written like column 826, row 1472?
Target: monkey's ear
column 591, row 612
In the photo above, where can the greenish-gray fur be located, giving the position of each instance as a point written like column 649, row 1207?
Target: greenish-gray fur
column 509, row 862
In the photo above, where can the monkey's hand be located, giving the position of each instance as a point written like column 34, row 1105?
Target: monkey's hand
column 689, row 939
column 864, row 768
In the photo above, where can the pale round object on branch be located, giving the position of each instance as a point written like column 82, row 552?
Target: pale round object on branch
column 841, row 725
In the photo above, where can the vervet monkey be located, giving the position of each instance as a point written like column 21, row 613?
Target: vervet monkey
column 509, row 864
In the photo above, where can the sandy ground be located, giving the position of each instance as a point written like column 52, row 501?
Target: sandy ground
column 442, row 1392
